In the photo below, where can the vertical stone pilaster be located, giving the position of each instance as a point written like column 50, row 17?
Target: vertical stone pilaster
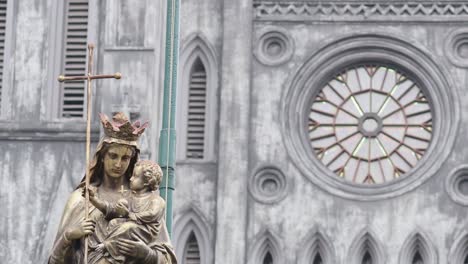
column 234, row 132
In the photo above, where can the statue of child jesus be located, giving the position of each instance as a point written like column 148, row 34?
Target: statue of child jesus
column 136, row 219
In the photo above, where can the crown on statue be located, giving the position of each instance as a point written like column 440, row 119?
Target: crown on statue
column 121, row 128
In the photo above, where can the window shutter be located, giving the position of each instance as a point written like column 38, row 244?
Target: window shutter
column 196, row 111
column 192, row 252
column 3, row 13
column 74, row 61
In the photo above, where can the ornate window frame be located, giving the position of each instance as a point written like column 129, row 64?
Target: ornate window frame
column 197, row 47
column 366, row 242
column 193, row 221
column 418, row 241
column 315, row 242
column 266, row 242
column 374, row 47
column 459, row 249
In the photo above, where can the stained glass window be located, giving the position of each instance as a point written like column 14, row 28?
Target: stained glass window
column 370, row 124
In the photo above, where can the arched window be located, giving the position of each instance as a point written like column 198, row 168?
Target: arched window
column 366, row 249
column 417, row 259
column 192, row 251
column 265, row 249
column 367, row 259
column 268, row 259
column 197, row 102
column 192, row 233
column 316, row 249
column 418, row 249
column 466, row 259
column 317, row 259
column 196, row 111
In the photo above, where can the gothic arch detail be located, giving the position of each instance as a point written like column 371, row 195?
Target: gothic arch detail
column 191, row 229
column 196, row 99
column 317, row 249
column 459, row 250
column 418, row 247
column 265, row 249
column 366, row 249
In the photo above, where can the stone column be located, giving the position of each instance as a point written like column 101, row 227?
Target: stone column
column 234, row 132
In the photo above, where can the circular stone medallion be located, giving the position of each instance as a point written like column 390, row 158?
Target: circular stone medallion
column 268, row 185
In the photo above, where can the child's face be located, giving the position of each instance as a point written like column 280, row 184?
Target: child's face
column 137, row 181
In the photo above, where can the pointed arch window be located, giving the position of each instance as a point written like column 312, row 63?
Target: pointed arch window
column 317, row 259
column 268, row 259
column 367, row 259
column 192, row 251
column 417, row 259
column 196, row 116
column 197, row 101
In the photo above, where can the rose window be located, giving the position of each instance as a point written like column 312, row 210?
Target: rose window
column 370, row 124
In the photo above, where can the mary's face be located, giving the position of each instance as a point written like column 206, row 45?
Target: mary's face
column 116, row 160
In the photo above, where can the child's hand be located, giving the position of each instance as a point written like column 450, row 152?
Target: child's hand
column 122, row 208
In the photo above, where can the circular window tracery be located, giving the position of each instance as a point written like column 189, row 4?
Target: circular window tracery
column 370, row 124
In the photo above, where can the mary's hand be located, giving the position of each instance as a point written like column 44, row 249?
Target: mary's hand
column 81, row 229
column 136, row 249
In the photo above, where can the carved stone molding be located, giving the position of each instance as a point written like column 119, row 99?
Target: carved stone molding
column 264, row 243
column 274, row 46
column 316, row 243
column 459, row 249
column 418, row 242
column 366, row 243
column 456, row 47
column 456, row 185
column 49, row 131
column 362, row 10
column 268, row 185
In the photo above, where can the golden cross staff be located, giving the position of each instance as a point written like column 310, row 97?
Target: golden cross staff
column 89, row 77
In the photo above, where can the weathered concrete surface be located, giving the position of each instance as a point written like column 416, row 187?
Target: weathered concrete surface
column 39, row 169
column 42, row 157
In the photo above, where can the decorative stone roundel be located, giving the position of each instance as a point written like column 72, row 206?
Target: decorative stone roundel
column 370, row 124
column 456, row 47
column 456, row 185
column 274, row 47
column 268, row 185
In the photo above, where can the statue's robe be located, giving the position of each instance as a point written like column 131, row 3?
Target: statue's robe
column 72, row 252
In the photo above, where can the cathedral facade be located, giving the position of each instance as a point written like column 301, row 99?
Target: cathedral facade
column 307, row 131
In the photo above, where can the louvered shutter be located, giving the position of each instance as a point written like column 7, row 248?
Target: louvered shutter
column 196, row 111
column 192, row 252
column 3, row 12
column 74, row 62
